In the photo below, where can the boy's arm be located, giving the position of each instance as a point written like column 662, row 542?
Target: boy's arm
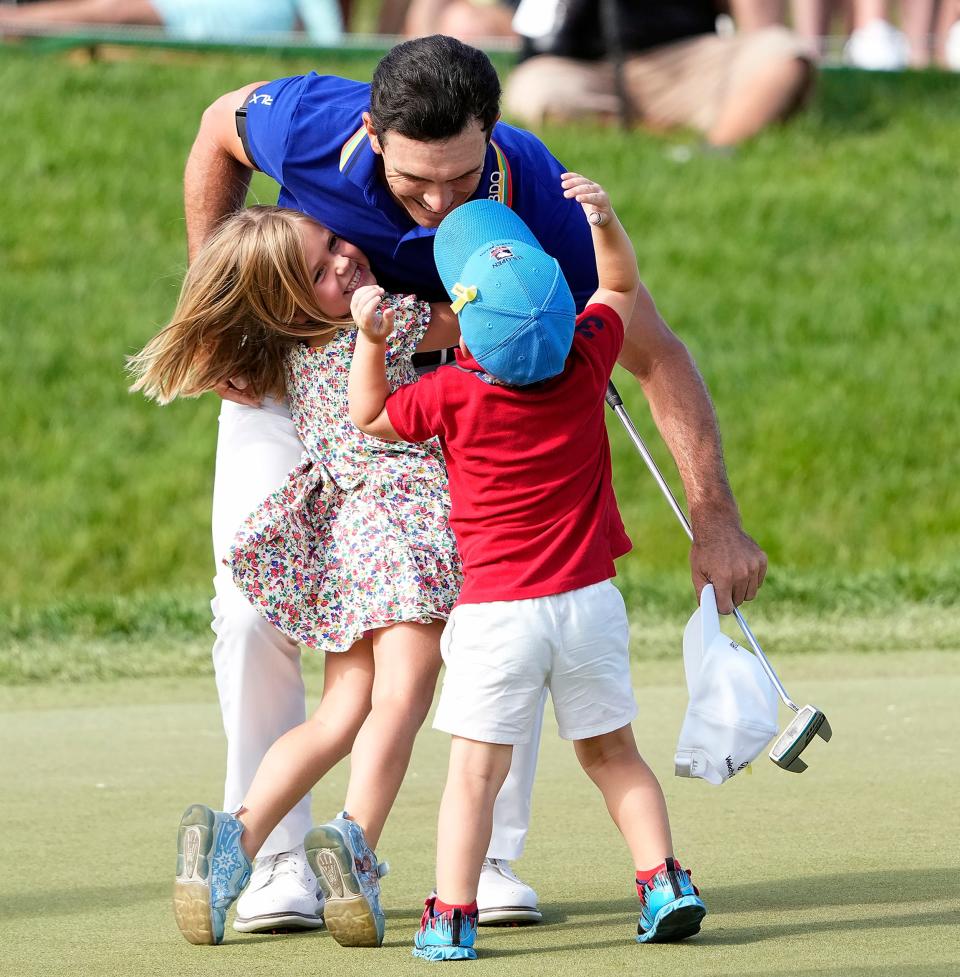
column 618, row 280
column 368, row 388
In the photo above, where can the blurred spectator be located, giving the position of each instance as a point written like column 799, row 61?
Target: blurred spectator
column 875, row 42
column 193, row 19
column 877, row 45
column 467, row 20
column 947, row 43
column 675, row 70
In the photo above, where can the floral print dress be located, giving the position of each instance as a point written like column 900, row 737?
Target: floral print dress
column 358, row 535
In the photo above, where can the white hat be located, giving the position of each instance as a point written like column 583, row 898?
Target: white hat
column 732, row 713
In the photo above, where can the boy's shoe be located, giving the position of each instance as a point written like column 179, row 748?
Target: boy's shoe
column 672, row 907
column 503, row 898
column 445, row 936
column 212, row 870
column 349, row 875
column 283, row 894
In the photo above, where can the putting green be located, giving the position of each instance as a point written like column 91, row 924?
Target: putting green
column 849, row 869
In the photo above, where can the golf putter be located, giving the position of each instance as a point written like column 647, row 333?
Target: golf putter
column 808, row 721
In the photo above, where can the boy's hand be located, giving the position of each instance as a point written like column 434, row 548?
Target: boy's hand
column 591, row 196
column 365, row 309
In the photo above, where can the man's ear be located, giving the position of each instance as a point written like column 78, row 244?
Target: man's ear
column 372, row 134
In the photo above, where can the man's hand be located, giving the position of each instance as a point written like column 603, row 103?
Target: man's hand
column 233, row 390
column 365, row 309
column 727, row 557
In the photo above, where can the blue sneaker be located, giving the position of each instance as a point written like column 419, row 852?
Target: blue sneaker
column 672, row 907
column 212, row 870
column 445, row 936
column 349, row 875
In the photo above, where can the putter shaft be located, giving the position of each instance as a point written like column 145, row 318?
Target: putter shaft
column 613, row 399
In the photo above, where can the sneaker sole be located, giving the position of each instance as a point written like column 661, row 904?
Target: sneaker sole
column 437, row 953
column 509, row 916
column 346, row 912
column 191, row 889
column 278, row 923
column 675, row 921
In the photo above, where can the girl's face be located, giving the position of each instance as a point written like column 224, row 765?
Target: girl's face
column 337, row 268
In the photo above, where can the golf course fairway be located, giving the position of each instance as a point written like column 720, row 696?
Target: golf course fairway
column 848, row 869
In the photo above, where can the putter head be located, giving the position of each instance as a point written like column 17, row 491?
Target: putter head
column 808, row 722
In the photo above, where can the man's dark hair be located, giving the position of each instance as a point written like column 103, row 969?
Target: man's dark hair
column 431, row 88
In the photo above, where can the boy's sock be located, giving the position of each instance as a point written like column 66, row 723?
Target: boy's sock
column 440, row 907
column 645, row 875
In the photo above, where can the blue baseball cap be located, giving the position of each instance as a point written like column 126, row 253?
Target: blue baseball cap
column 516, row 311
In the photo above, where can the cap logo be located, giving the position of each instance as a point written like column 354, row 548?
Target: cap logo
column 501, row 252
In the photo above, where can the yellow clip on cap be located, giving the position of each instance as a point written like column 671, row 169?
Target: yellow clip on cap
column 464, row 294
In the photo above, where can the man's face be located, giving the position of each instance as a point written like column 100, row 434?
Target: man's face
column 429, row 179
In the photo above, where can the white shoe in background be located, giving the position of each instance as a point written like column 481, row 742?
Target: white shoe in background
column 282, row 895
column 502, row 898
column 951, row 48
column 878, row 46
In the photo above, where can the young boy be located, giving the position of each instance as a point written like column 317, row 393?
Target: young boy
column 520, row 418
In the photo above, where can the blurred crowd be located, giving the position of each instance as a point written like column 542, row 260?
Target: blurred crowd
column 726, row 69
column 877, row 34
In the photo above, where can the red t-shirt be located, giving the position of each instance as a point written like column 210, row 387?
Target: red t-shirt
column 533, row 508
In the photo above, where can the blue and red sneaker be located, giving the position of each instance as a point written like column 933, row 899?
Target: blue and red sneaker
column 672, row 907
column 447, row 935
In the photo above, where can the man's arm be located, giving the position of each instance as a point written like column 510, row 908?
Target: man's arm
column 218, row 171
column 443, row 331
column 215, row 182
column 722, row 553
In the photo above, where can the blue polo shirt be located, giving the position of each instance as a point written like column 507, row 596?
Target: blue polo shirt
column 307, row 133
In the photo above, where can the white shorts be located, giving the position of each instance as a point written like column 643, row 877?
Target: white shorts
column 501, row 655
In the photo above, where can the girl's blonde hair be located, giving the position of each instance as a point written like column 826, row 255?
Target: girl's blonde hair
column 238, row 311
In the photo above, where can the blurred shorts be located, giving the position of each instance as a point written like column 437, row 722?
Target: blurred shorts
column 679, row 84
column 500, row 656
column 217, row 20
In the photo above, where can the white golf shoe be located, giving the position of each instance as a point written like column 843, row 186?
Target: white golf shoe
column 282, row 895
column 502, row 898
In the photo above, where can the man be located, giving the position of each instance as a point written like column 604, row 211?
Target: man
column 382, row 164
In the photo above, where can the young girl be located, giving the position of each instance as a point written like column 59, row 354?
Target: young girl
column 353, row 555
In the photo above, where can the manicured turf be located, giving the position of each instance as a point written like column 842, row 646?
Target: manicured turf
column 850, row 869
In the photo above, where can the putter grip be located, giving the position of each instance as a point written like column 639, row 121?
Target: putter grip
column 612, row 396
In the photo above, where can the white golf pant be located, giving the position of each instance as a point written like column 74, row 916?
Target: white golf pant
column 258, row 668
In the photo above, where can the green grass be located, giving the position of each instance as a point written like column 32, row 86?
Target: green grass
column 810, row 274
column 84, row 640
column 846, row 871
